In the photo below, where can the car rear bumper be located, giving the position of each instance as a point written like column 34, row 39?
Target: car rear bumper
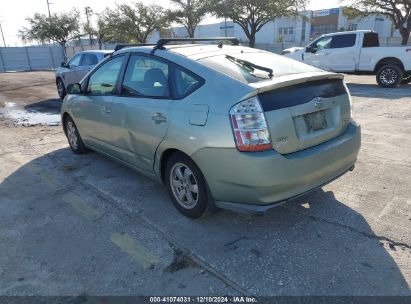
column 262, row 180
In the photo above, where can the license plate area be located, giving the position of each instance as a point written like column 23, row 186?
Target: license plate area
column 315, row 121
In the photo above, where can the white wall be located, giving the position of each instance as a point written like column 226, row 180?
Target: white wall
column 270, row 32
column 381, row 24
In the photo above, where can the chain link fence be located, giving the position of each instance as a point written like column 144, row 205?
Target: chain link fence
column 35, row 58
column 39, row 58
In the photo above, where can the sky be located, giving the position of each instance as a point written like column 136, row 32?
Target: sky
column 14, row 12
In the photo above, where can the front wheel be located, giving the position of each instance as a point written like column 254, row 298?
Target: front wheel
column 73, row 136
column 187, row 187
column 61, row 89
column 389, row 76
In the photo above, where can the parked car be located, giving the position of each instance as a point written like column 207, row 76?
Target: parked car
column 76, row 68
column 357, row 52
column 220, row 125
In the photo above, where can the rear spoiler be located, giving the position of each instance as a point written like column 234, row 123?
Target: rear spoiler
column 293, row 79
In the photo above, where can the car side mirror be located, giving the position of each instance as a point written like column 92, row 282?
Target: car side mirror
column 311, row 49
column 74, row 89
column 63, row 65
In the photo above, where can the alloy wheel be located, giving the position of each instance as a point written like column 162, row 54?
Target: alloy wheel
column 388, row 76
column 72, row 134
column 184, row 185
column 60, row 87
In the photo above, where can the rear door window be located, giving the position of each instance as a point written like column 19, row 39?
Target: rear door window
column 371, row 40
column 343, row 41
column 146, row 77
column 89, row 59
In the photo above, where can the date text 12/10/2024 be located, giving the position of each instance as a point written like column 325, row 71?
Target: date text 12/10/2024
column 236, row 299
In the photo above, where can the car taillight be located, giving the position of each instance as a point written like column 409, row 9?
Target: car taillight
column 351, row 103
column 250, row 126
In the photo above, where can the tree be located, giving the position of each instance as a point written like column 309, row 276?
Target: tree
column 60, row 28
column 133, row 23
column 252, row 15
column 101, row 32
column 190, row 13
column 108, row 23
column 398, row 10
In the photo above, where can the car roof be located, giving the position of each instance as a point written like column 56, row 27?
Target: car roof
column 347, row 32
column 195, row 51
column 96, row 52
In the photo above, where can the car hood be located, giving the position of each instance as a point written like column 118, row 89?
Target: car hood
column 293, row 49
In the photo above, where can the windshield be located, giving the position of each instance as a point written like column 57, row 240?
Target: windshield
column 255, row 66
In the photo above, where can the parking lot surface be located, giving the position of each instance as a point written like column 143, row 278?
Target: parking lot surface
column 85, row 225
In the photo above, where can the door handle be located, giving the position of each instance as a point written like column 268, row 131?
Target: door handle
column 158, row 117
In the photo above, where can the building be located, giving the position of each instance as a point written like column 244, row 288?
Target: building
column 297, row 30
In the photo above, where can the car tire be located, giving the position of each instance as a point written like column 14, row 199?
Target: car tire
column 389, row 76
column 406, row 78
column 73, row 136
column 61, row 88
column 187, row 187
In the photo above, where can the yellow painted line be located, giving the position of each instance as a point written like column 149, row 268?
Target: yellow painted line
column 81, row 207
column 137, row 251
column 52, row 182
column 125, row 242
column 46, row 177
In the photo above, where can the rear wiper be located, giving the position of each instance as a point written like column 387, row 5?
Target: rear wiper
column 251, row 65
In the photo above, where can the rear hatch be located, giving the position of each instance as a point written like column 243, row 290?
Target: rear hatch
column 306, row 111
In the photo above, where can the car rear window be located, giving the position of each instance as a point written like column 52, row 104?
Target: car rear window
column 253, row 67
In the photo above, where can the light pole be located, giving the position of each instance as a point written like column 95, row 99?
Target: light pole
column 89, row 12
column 48, row 7
column 225, row 18
column 2, row 35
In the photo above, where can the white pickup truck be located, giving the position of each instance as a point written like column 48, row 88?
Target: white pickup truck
column 357, row 52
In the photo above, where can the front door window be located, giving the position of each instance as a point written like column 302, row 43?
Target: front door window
column 75, row 61
column 103, row 81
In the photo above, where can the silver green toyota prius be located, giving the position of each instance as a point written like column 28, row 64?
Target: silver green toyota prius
column 221, row 125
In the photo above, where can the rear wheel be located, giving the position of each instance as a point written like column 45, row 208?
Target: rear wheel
column 406, row 78
column 389, row 76
column 73, row 136
column 187, row 187
column 61, row 89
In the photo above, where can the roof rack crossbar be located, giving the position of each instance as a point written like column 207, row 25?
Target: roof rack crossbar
column 122, row 46
column 163, row 41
